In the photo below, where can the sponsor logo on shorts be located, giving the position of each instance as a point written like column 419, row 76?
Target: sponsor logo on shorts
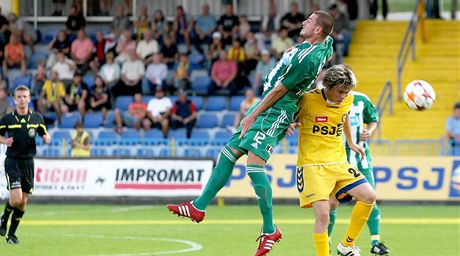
column 310, row 195
column 269, row 149
column 321, row 119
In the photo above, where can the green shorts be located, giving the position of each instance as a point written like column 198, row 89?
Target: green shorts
column 268, row 129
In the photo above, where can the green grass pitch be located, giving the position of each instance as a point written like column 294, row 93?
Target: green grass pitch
column 230, row 230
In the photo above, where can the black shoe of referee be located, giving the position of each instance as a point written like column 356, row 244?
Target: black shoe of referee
column 2, row 226
column 12, row 240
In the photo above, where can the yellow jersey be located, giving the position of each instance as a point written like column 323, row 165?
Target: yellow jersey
column 321, row 129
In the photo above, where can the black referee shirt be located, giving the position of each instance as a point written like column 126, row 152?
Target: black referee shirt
column 22, row 129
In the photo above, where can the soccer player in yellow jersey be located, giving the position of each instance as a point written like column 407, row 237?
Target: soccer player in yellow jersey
column 322, row 167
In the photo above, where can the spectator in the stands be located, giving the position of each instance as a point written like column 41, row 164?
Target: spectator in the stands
column 60, row 43
column 203, row 27
column 270, row 23
column 341, row 32
column 125, row 45
column 75, row 21
column 182, row 74
column 110, row 72
column 77, row 96
column 183, row 114
column 99, row 99
column 2, row 53
column 249, row 100
column 215, row 47
column 453, row 131
column 99, row 52
column 244, row 28
column 156, row 74
column 142, row 24
column 169, row 51
column 281, row 43
column 147, row 47
column 52, row 96
column 4, row 104
column 265, row 64
column 352, row 11
column 252, row 48
column 80, row 142
column 38, row 80
column 120, row 21
column 292, row 21
column 228, row 25
column 182, row 27
column 15, row 56
column 58, row 6
column 82, row 51
column 236, row 52
column 132, row 72
column 65, row 68
column 4, row 28
column 133, row 117
column 223, row 74
column 26, row 31
column 160, row 27
column 158, row 112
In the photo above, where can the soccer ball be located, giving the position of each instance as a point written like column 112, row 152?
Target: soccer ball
column 419, row 95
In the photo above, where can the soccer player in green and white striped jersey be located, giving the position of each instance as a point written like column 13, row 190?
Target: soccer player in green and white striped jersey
column 362, row 113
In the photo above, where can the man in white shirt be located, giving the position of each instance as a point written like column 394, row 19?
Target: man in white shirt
column 110, row 71
column 158, row 111
column 147, row 47
column 65, row 68
column 156, row 74
column 132, row 73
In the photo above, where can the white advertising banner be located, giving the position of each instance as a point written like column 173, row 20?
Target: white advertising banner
column 120, row 177
column 3, row 185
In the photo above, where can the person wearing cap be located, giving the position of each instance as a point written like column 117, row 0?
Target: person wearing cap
column 184, row 114
column 453, row 131
column 215, row 47
column 158, row 111
column 80, row 142
column 77, row 95
column 265, row 64
column 203, row 26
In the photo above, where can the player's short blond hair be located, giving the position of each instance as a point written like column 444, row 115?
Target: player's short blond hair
column 21, row 88
column 340, row 74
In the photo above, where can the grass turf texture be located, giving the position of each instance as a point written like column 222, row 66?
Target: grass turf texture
column 229, row 230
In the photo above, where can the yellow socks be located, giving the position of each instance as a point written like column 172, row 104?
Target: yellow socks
column 321, row 244
column 359, row 217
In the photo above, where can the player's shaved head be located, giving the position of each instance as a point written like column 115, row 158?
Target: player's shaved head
column 339, row 75
column 325, row 21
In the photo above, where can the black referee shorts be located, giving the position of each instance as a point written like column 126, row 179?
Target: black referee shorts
column 20, row 174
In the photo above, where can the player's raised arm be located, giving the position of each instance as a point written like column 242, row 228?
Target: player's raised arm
column 353, row 146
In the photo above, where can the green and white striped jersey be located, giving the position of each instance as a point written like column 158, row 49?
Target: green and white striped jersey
column 361, row 112
column 297, row 70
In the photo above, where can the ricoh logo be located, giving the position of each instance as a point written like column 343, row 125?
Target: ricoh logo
column 58, row 175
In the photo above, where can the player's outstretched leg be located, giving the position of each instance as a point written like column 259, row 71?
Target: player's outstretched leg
column 195, row 210
column 4, row 219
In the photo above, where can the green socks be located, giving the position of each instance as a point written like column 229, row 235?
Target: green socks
column 332, row 216
column 219, row 177
column 374, row 225
column 263, row 191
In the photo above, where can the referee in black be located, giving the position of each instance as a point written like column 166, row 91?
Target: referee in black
column 21, row 126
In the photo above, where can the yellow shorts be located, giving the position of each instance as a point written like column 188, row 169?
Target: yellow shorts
column 318, row 182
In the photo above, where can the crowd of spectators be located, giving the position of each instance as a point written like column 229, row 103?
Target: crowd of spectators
column 143, row 57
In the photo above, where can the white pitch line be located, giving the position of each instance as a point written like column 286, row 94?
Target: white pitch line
column 132, row 208
column 192, row 245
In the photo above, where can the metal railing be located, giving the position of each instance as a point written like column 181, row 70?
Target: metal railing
column 385, row 101
column 408, row 43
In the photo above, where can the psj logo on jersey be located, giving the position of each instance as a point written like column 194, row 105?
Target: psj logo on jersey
column 328, row 130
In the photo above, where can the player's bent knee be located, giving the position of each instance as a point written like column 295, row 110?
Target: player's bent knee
column 322, row 217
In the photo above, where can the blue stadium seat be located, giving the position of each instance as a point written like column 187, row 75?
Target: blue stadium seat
column 235, row 103
column 177, row 134
column 52, row 151
column 201, row 83
column 213, row 152
column 89, row 80
column 216, row 103
column 228, row 120
column 99, row 152
column 192, row 152
column 198, row 101
column 201, row 134
column 145, row 152
column 21, row 80
column 130, row 134
column 110, row 120
column 93, row 120
column 62, row 134
column 153, row 134
column 50, row 34
column 121, row 151
column 69, row 120
column 195, row 58
column 36, row 58
column 108, row 135
column 122, row 102
column 164, row 152
column 207, row 120
column 146, row 99
column 223, row 134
